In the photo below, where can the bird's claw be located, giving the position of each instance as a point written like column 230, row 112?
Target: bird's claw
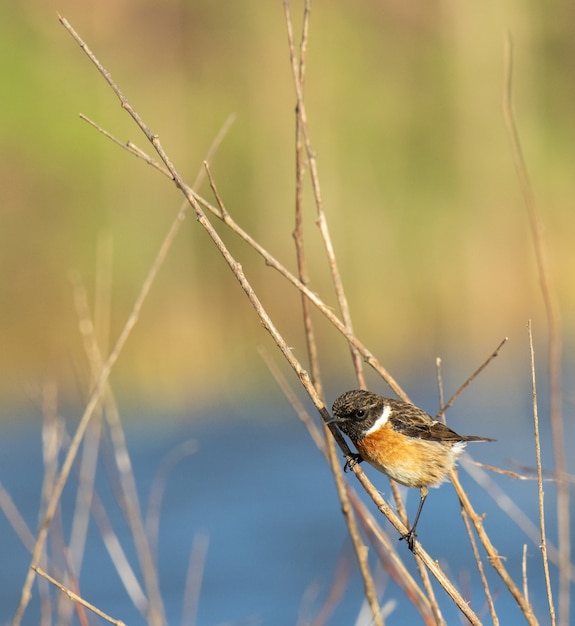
column 351, row 461
column 410, row 537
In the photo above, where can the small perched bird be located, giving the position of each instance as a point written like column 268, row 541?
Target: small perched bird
column 400, row 440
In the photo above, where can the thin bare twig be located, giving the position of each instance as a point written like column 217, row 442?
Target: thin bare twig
column 472, row 378
column 540, row 491
column 194, row 577
column 298, row 70
column 440, row 386
column 15, row 519
column 480, row 568
column 297, row 74
column 267, row 322
column 221, row 213
column 554, row 341
column 385, row 549
column 91, row 405
column 76, row 598
column 524, row 572
column 492, row 554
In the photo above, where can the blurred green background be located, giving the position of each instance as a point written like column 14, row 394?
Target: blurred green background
column 404, row 105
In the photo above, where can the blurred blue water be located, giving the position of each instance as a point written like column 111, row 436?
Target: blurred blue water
column 261, row 493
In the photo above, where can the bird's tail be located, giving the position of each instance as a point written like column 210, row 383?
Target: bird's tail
column 475, row 438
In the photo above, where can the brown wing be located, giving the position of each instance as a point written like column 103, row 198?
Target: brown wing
column 413, row 422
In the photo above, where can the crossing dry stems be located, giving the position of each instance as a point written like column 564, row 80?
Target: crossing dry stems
column 363, row 527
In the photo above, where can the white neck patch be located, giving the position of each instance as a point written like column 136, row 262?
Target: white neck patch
column 381, row 420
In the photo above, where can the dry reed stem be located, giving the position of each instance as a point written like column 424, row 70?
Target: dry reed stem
column 440, row 393
column 540, row 491
column 298, row 71
column 298, row 232
column 152, row 519
column 91, row 405
column 267, row 322
column 391, row 562
column 76, row 598
column 93, row 400
column 492, row 554
column 303, row 128
column 92, row 440
column 16, row 520
column 409, row 586
column 130, row 499
column 237, row 270
column 193, row 585
column 221, row 213
column 471, row 378
column 303, row 135
column 385, row 549
column 206, row 224
column 99, row 388
column 339, row 582
column 524, row 572
column 480, row 568
column 358, row 545
column 430, row 563
column 554, row 341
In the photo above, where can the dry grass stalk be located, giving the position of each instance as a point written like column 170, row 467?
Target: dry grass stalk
column 540, row 491
column 78, row 599
column 424, row 599
column 554, row 342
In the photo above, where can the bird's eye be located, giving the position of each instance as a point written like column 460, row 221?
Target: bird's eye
column 360, row 413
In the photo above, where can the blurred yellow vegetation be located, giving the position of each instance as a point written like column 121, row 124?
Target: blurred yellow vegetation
column 404, row 105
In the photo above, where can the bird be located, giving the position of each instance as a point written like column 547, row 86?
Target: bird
column 400, row 440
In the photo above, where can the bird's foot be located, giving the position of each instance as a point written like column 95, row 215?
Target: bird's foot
column 352, row 460
column 410, row 537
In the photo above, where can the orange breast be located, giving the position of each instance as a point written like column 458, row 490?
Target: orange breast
column 409, row 461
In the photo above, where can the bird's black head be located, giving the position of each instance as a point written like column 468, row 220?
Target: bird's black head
column 356, row 411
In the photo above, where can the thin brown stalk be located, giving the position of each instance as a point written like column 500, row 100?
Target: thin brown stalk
column 301, row 373
column 126, row 480
column 15, row 519
column 152, row 519
column 193, row 586
column 76, row 598
column 272, row 262
column 118, row 556
column 386, row 551
column 339, row 582
column 91, row 405
column 440, row 386
column 359, row 547
column 297, row 75
column 404, row 579
column 554, row 341
column 430, row 563
column 392, row 563
column 494, row 559
column 540, row 491
column 128, row 145
column 311, row 344
column 91, row 444
column 524, row 572
column 53, row 436
column 471, row 378
column 512, row 510
column 221, row 213
column 298, row 233
column 480, row 568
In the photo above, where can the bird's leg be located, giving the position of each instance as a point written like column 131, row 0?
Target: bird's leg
column 411, row 534
column 353, row 459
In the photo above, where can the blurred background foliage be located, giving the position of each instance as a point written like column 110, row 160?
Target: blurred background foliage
column 404, row 105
